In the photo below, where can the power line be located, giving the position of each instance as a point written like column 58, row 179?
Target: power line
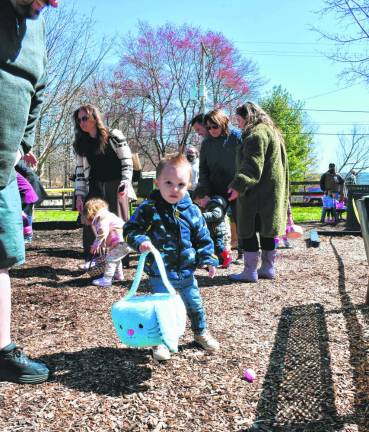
column 284, row 54
column 333, row 110
column 283, row 43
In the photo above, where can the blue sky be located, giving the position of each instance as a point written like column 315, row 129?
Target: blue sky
column 276, row 36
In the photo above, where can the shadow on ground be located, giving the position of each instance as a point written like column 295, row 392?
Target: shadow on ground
column 107, row 371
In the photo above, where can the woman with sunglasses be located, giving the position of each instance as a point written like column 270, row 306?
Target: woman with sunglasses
column 103, row 167
column 218, row 154
column 261, row 189
column 218, row 157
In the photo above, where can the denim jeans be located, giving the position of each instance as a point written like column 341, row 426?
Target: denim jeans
column 189, row 291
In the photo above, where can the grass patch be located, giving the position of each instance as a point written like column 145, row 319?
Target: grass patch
column 55, row 215
column 305, row 214
column 300, row 214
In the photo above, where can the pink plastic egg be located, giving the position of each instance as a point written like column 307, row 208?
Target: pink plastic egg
column 249, row 375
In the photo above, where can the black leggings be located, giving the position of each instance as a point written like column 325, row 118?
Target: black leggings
column 252, row 244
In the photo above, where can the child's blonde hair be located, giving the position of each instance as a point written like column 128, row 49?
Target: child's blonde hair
column 92, row 207
column 175, row 160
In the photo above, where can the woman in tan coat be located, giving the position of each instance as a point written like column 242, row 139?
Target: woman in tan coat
column 261, row 189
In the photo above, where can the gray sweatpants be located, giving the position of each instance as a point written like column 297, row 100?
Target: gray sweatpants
column 114, row 259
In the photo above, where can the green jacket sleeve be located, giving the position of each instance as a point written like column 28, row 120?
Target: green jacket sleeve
column 251, row 161
column 34, row 113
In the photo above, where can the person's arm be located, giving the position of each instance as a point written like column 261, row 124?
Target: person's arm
column 322, row 182
column 33, row 115
column 135, row 229
column 204, row 172
column 80, row 184
column 252, row 162
column 341, row 184
column 123, row 152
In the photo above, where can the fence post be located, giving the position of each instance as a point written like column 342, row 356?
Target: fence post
column 63, row 198
column 363, row 209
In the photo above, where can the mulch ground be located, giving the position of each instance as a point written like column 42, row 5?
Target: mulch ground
column 306, row 335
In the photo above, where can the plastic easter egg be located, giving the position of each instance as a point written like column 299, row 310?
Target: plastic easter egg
column 249, row 375
column 295, row 232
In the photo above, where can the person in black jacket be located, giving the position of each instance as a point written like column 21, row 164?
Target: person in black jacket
column 331, row 181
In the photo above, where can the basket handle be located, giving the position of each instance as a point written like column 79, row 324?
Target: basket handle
column 139, row 271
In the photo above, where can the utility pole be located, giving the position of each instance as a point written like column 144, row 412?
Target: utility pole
column 202, row 87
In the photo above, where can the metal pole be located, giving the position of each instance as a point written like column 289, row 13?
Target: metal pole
column 202, row 95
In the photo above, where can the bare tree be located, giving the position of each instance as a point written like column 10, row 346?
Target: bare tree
column 352, row 37
column 353, row 151
column 73, row 59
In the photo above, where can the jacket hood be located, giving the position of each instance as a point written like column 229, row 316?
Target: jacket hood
column 219, row 200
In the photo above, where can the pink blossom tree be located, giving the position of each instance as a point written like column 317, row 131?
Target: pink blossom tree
column 155, row 86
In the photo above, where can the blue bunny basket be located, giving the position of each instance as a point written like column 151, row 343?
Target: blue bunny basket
column 150, row 320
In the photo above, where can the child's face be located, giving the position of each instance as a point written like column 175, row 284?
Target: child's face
column 173, row 182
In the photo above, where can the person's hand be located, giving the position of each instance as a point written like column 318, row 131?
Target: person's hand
column 94, row 249
column 79, row 204
column 211, row 271
column 98, row 247
column 122, row 190
column 30, row 159
column 146, row 246
column 233, row 194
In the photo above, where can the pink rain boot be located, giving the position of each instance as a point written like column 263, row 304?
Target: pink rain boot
column 249, row 273
column 267, row 269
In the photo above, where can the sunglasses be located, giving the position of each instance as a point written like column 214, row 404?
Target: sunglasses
column 82, row 119
column 212, row 127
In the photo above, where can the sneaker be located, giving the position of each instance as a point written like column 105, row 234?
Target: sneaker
column 161, row 353
column 16, row 367
column 85, row 266
column 28, row 239
column 207, row 341
column 102, row 282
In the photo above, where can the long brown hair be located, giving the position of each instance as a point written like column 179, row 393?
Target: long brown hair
column 219, row 118
column 81, row 138
column 255, row 115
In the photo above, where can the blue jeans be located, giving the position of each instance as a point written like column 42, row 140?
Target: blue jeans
column 188, row 289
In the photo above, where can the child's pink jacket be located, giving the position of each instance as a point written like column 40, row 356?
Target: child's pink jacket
column 107, row 227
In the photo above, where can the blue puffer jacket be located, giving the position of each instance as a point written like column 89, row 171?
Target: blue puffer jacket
column 178, row 231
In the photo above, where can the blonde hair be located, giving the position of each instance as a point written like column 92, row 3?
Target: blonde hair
column 175, row 160
column 92, row 207
column 219, row 118
column 81, row 137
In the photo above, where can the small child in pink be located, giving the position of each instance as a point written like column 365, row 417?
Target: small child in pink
column 28, row 197
column 108, row 230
